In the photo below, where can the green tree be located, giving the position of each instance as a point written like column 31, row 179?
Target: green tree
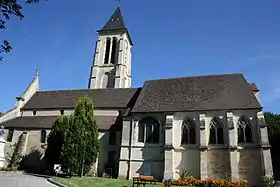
column 81, row 147
column 56, row 140
column 273, row 124
column 10, row 8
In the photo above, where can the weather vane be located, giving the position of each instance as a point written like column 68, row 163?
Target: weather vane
column 118, row 3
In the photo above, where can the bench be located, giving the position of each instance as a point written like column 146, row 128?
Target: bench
column 137, row 181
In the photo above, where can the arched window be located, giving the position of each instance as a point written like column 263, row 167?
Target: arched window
column 216, row 131
column 107, row 51
column 148, row 130
column 114, row 50
column 244, row 130
column 188, row 132
column 43, row 136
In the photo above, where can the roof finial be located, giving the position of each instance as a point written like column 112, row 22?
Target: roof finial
column 37, row 72
column 118, row 3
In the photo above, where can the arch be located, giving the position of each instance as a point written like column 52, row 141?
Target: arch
column 216, row 131
column 43, row 136
column 245, row 134
column 114, row 50
column 188, row 131
column 107, row 50
column 148, row 130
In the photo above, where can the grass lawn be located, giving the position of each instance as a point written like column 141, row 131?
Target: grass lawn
column 97, row 182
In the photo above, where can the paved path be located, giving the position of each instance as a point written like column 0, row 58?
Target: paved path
column 15, row 180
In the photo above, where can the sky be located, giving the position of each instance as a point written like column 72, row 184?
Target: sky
column 171, row 39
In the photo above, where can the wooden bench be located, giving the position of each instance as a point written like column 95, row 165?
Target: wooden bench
column 137, row 181
column 149, row 179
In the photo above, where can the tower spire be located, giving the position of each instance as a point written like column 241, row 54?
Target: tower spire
column 118, row 3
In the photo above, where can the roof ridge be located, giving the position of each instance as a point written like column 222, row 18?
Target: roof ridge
column 195, row 76
column 85, row 89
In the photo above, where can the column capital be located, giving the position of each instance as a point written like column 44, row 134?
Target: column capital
column 202, row 121
column 169, row 121
column 230, row 120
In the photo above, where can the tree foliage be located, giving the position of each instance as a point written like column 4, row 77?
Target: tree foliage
column 73, row 141
column 273, row 124
column 81, row 147
column 55, row 141
column 10, row 8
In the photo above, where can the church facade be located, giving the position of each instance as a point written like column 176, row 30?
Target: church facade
column 208, row 125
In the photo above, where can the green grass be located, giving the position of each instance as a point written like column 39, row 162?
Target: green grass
column 97, row 182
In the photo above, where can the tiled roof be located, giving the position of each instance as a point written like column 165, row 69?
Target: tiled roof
column 115, row 22
column 102, row 98
column 46, row 122
column 254, row 87
column 214, row 92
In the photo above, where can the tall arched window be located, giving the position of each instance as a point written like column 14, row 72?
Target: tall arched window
column 148, row 130
column 114, row 50
column 216, row 131
column 244, row 130
column 107, row 51
column 188, row 132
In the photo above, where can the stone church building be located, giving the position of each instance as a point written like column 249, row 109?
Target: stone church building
column 207, row 125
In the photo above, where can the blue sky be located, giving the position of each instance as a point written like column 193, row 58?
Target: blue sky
column 171, row 39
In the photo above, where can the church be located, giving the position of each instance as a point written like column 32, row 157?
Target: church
column 207, row 125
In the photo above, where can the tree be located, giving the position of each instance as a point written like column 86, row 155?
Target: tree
column 81, row 147
column 56, row 140
column 273, row 125
column 10, row 8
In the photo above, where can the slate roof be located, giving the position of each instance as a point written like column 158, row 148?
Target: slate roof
column 254, row 87
column 46, row 122
column 115, row 22
column 114, row 98
column 214, row 92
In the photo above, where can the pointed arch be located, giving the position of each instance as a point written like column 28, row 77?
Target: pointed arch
column 107, row 50
column 188, row 131
column 148, row 130
column 216, row 131
column 245, row 134
column 114, row 50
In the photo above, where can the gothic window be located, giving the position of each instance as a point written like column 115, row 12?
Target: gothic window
column 112, row 138
column 10, row 135
column 188, row 132
column 114, row 50
column 43, row 136
column 216, row 131
column 107, row 51
column 62, row 112
column 148, row 130
column 244, row 130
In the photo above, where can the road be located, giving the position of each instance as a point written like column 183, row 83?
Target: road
column 17, row 180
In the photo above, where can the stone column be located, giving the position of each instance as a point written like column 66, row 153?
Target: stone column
column 265, row 146
column 125, row 152
column 203, row 147
column 233, row 153
column 2, row 155
column 169, row 150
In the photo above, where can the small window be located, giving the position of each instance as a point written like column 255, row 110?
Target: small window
column 149, row 129
column 43, row 136
column 34, row 112
column 112, row 138
column 244, row 130
column 61, row 112
column 188, row 132
column 10, row 135
column 216, row 131
column 107, row 51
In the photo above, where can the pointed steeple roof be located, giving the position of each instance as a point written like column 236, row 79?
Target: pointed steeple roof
column 115, row 22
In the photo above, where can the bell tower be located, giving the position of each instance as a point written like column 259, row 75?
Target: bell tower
column 112, row 57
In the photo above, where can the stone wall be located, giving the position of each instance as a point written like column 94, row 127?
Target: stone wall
column 218, row 163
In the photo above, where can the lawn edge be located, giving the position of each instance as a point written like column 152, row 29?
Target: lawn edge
column 51, row 180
